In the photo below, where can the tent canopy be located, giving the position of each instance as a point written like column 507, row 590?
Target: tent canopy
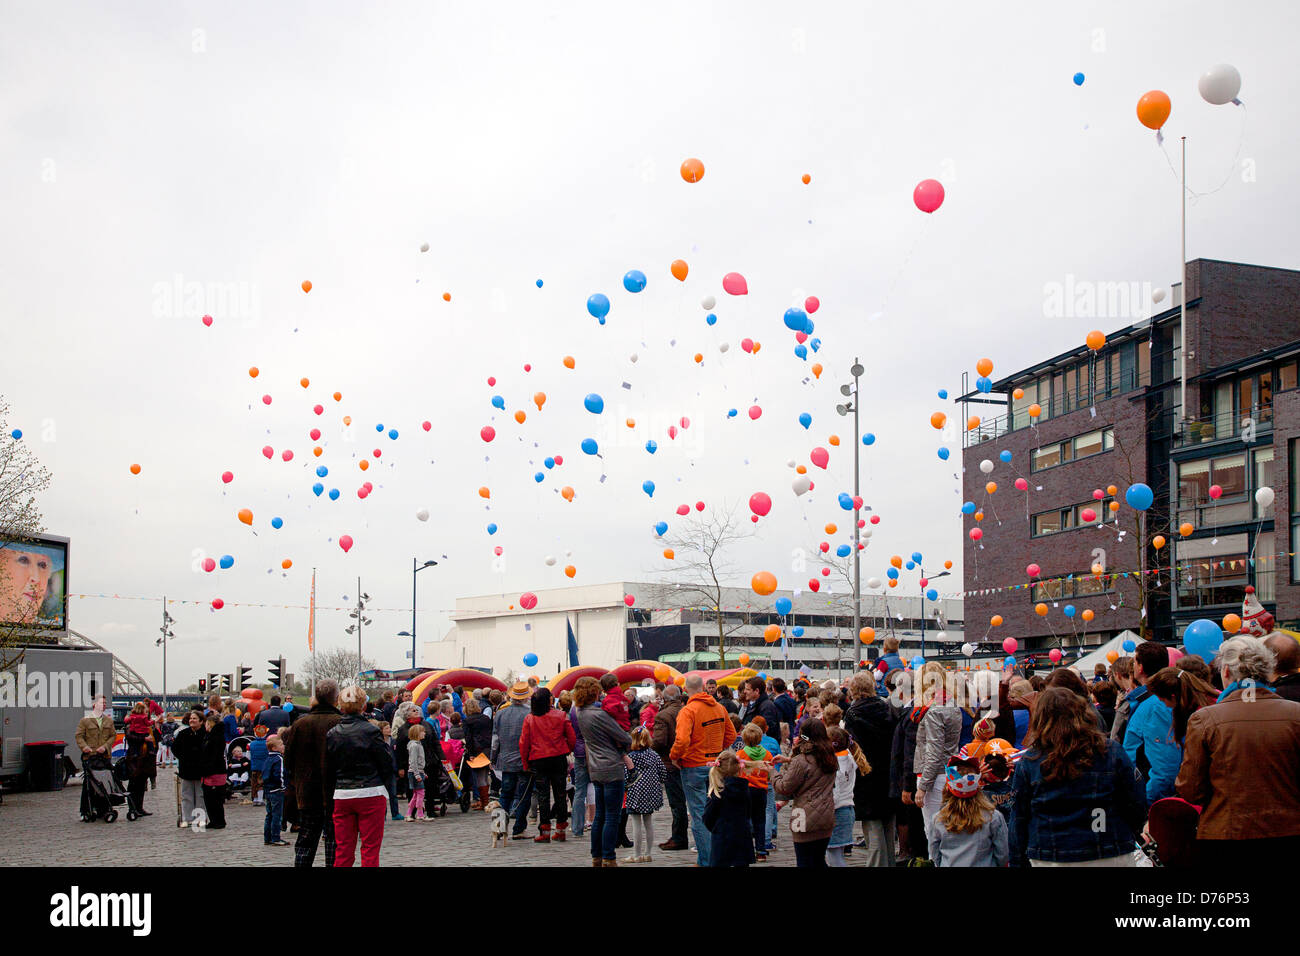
column 1086, row 664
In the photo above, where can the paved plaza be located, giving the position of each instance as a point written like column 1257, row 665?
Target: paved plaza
column 45, row 829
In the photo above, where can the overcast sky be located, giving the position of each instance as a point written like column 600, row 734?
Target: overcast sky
column 244, row 148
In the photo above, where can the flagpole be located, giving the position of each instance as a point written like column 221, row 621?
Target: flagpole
column 311, row 633
column 1182, row 305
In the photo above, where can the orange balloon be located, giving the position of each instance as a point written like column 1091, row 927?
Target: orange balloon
column 995, row 620
column 831, row 529
column 1185, row 528
column 566, row 493
column 692, row 170
column 246, row 516
column 867, row 635
column 801, row 469
column 520, row 416
column 631, row 423
column 135, row 469
column 306, row 285
column 1095, row 340
column 569, row 362
column 972, row 423
column 304, row 382
column 1088, row 614
column 1112, row 656
column 991, row 487
column 896, row 561
column 286, row 564
column 679, row 681
column 806, row 179
column 446, row 297
column 1158, row 541
column 833, row 440
column 743, row 659
column 1112, row 490
column 1231, row 623
column 984, row 367
column 252, row 372
column 1153, row 109
column 938, row 420
column 893, row 582
column 662, row 673
column 947, row 565
column 1035, row 410
column 1040, row 609
column 363, row 464
column 539, row 399
column 347, row 419
column 338, row 396
column 771, row 634
column 669, row 553
column 484, row 493
column 679, row 268
column 699, row 357
column 1098, row 569
column 318, row 451
column 570, row 571
column 979, row 516
column 764, row 583
column 817, row 370
column 1018, row 394
column 1113, row 506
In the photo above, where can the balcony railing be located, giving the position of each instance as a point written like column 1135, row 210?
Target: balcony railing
column 1223, row 427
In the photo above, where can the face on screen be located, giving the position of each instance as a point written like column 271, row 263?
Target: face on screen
column 24, row 581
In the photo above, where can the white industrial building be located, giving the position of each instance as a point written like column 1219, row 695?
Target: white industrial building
column 492, row 632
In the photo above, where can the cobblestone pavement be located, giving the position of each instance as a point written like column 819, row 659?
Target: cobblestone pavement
column 45, row 829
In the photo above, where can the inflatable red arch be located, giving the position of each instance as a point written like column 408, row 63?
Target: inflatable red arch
column 421, row 685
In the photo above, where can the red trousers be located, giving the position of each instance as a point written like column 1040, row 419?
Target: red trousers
column 365, row 815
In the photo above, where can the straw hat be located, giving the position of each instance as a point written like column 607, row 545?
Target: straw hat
column 521, row 691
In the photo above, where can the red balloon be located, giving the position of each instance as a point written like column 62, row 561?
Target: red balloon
column 747, row 344
column 826, row 572
column 733, row 283
column 1033, row 570
column 209, row 564
column 699, row 506
column 287, row 455
column 267, row 451
column 318, row 409
column 754, row 518
column 801, row 337
column 824, row 547
column 315, row 434
column 345, row 543
column 1022, row 485
column 218, row 604
column 559, row 460
column 487, row 433
column 814, row 584
column 497, row 550
column 683, row 509
column 820, row 457
column 760, row 503
column 928, row 195
column 686, row 423
column 857, row 504
column 672, row 431
column 528, row 600
column 227, row 476
column 428, row 425
column 629, row 600
column 754, row 413
column 266, row 399
column 811, row 304
column 875, row 519
column 207, row 320
column 528, row 368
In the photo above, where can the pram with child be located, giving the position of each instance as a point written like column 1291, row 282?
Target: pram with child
column 101, row 790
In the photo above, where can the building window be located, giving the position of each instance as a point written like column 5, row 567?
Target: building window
column 1286, row 377
column 1065, row 519
column 1085, row 584
column 1295, row 512
column 1195, row 478
column 1071, row 449
column 1213, row 580
column 1263, row 462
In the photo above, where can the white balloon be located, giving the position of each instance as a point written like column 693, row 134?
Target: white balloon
column 1264, row 497
column 550, row 560
column 865, row 532
column 941, row 636
column 632, row 358
column 873, row 582
column 723, row 346
column 801, row 485
column 967, row 650
column 708, row 302
column 424, row 247
column 986, row 466
column 789, row 463
column 1158, row 296
column 1219, row 84
column 568, row 554
column 423, row 514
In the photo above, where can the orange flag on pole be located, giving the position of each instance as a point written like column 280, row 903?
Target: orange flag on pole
column 311, row 619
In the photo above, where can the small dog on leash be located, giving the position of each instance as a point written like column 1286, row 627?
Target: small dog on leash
column 500, row 823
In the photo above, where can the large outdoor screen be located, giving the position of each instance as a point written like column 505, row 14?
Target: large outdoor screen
column 34, row 583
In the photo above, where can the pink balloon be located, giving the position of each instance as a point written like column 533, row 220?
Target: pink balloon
column 368, row 486
column 801, row 337
column 497, row 550
column 629, row 600
column 857, row 504
column 672, row 431
column 754, row 518
column 1010, row 645
column 1216, row 492
column 1098, row 494
column 318, row 409
column 528, row 368
column 820, row 457
column 487, row 433
column 491, row 380
column 315, row 434
column 1033, row 570
column 209, row 564
column 683, row 509
column 559, row 460
column 699, row 506
column 1087, row 514
column 345, row 543
column 862, row 522
column 754, row 412
column 686, row 423
column 528, row 600
column 760, row 503
column 427, row 426
column 287, row 455
column 1054, row 655
column 923, row 582
column 267, row 451
column 733, row 283
column 207, row 320
column 928, row 195
column 875, row 519
column 377, row 452
column 976, row 534
column 227, row 476
column 1174, row 655
column 811, row 304
column 747, row 344
column 1022, row 485
column 266, row 399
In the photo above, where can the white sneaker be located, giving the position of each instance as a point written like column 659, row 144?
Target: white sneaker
column 184, row 825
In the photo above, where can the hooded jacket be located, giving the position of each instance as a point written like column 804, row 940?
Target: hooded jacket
column 812, row 790
column 703, row 731
column 606, row 743
column 869, row 722
column 1149, row 742
column 726, row 817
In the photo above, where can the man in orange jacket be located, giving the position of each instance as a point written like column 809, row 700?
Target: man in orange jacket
column 703, row 731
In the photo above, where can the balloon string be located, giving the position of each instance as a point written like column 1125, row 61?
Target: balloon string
column 907, row 259
column 1192, row 194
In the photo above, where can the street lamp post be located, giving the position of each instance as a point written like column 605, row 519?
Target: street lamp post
column 359, row 614
column 852, row 406
column 416, row 568
column 167, row 634
column 941, row 574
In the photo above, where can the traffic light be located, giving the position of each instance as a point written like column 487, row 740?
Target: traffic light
column 203, row 686
column 277, row 672
column 225, row 683
column 214, row 683
column 245, row 678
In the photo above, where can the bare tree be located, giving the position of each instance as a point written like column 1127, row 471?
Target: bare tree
column 701, row 566
column 22, row 478
column 338, row 664
column 1145, row 527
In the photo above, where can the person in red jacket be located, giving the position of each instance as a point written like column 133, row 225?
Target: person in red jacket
column 545, row 742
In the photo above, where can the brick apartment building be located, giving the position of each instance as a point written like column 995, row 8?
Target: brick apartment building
column 1113, row 417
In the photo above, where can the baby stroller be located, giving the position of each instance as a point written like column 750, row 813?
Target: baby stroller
column 238, row 771
column 101, row 791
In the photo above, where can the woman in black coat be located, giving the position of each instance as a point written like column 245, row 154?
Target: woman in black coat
column 212, row 765
column 478, row 740
column 187, row 748
column 870, row 722
column 726, row 815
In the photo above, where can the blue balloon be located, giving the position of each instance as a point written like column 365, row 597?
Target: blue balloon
column 317, row 489
column 892, row 574
column 932, row 595
column 711, row 319
column 589, row 446
column 539, row 476
column 846, row 501
column 549, row 463
column 943, row 393
column 1010, row 660
column 652, row 446
column 943, row 454
column 492, row 528
column 379, row 428
column 783, row 606
column 498, row 402
column 916, row 663
column 762, row 675
column 731, row 413
column 392, row 433
column 1078, row 79
column 539, row 283
column 843, row 551
column 1139, row 497
column 334, row 494
column 661, row 527
column 634, row 281
column 808, row 326
column 868, row 439
column 288, row 706
column 321, row 471
column 968, row 508
column 1129, row 646
column 1203, row 638
column 805, row 419
column 1005, row 455
column 797, row 631
column 911, row 565
column 598, row 306
column 530, row 660
column 277, row 523
column 802, row 352
column 1068, row 610
column 984, row 384
column 816, row 344
column 16, row 434
column 648, row 487
column 226, row 562
column 796, row 319
column 916, row 556
column 594, row 403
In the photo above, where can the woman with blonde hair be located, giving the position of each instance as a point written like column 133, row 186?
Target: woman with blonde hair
column 358, row 770
column 938, row 737
column 727, row 814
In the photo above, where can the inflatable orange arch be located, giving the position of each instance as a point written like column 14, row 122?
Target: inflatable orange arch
column 455, row 677
column 732, row 677
column 634, row 672
column 566, row 679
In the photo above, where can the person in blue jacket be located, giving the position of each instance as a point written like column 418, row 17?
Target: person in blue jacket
column 1149, row 738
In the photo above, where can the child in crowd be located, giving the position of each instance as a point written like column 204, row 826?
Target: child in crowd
column 726, row 815
column 415, row 772
column 394, row 810
column 168, row 729
column 257, row 751
column 995, row 776
column 850, row 762
column 273, row 780
column 967, row 830
column 138, row 726
column 645, row 794
column 614, row 703
column 832, row 714
column 755, row 763
column 238, row 768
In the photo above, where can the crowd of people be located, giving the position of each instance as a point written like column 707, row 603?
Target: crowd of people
column 905, row 766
